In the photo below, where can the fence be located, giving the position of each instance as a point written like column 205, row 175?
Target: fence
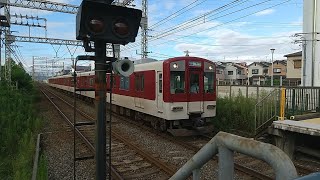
column 252, row 91
column 302, row 100
column 297, row 101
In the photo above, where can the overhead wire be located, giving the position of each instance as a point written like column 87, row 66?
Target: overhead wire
column 228, row 22
column 177, row 13
column 207, row 13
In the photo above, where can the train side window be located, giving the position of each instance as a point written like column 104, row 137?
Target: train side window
column 139, row 82
column 91, row 81
column 114, row 84
column 177, row 82
column 142, row 83
column 160, row 83
column 124, row 83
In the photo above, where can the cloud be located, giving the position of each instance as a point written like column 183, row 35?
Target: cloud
column 229, row 44
column 169, row 5
column 265, row 12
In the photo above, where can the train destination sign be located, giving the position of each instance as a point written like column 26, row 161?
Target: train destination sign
column 195, row 63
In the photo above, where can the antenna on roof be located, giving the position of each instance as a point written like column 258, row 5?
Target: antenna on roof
column 187, row 52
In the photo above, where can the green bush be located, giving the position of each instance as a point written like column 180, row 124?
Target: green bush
column 235, row 113
column 19, row 126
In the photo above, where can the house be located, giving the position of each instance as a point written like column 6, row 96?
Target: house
column 294, row 64
column 235, row 73
column 220, row 68
column 279, row 69
column 258, row 72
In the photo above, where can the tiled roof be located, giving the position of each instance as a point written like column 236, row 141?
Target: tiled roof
column 263, row 64
column 294, row 54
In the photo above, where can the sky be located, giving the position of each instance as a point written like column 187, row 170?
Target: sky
column 218, row 30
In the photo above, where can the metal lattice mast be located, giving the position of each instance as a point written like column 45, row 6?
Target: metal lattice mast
column 7, row 46
column 43, row 5
column 144, row 29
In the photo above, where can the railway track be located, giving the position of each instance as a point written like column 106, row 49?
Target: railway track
column 128, row 160
column 250, row 170
column 239, row 166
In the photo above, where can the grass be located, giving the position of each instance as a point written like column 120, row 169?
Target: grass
column 235, row 113
column 19, row 128
column 42, row 168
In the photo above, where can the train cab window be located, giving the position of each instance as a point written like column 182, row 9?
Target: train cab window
column 177, row 82
column 194, row 83
column 124, row 83
column 208, row 81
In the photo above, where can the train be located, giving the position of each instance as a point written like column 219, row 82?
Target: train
column 177, row 95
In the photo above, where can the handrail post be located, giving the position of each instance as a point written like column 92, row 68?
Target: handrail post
column 196, row 174
column 226, row 164
column 228, row 143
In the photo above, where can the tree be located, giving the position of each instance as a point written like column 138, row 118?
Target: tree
column 18, row 74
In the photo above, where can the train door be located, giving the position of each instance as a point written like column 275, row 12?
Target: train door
column 195, row 95
column 159, row 92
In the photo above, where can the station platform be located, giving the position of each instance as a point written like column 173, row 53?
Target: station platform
column 285, row 132
column 309, row 126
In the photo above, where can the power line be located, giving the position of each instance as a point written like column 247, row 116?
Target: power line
column 175, row 14
column 169, row 32
column 201, row 16
column 228, row 22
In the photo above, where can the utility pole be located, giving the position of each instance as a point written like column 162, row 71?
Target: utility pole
column 272, row 51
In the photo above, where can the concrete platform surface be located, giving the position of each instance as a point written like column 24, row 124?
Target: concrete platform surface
column 310, row 127
column 312, row 121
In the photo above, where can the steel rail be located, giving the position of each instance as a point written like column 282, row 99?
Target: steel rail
column 166, row 168
column 239, row 167
column 114, row 173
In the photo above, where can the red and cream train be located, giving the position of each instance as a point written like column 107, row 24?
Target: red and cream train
column 177, row 95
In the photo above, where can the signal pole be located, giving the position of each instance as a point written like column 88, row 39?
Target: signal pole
column 100, row 97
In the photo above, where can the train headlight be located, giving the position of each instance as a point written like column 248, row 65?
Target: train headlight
column 210, row 67
column 175, row 65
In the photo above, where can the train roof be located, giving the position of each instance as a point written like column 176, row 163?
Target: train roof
column 143, row 64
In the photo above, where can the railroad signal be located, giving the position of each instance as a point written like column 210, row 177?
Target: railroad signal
column 101, row 21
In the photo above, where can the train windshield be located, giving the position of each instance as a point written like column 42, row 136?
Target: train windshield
column 208, row 81
column 177, row 82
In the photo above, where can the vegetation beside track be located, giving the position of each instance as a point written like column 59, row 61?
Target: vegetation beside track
column 235, row 114
column 19, row 127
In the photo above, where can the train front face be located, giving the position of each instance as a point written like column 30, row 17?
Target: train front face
column 190, row 93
